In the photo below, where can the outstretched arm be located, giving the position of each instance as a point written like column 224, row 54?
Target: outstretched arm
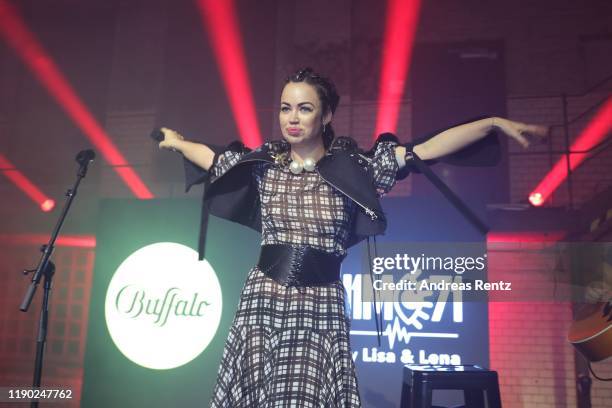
column 197, row 153
column 458, row 137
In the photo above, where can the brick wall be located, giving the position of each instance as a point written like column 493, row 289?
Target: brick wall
column 527, row 335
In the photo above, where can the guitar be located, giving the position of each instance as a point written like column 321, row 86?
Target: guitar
column 591, row 332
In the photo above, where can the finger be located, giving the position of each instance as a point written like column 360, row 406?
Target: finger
column 537, row 130
column 518, row 136
column 168, row 132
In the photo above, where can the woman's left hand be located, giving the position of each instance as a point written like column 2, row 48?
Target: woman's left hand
column 523, row 133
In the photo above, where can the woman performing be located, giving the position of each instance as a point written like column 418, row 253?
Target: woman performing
column 312, row 196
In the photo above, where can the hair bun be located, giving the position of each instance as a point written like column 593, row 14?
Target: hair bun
column 303, row 73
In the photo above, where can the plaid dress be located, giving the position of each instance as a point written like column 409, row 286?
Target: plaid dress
column 289, row 346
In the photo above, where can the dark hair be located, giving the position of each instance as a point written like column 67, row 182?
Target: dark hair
column 326, row 90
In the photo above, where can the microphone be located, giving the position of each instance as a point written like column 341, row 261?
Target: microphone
column 84, row 157
column 157, row 135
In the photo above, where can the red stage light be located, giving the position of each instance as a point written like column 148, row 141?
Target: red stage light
column 219, row 18
column 47, row 205
column 25, row 185
column 594, row 133
column 19, row 37
column 536, row 199
column 401, row 23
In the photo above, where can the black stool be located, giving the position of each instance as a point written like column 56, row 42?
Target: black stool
column 421, row 380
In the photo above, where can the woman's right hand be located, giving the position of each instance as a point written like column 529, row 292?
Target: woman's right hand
column 171, row 137
column 195, row 152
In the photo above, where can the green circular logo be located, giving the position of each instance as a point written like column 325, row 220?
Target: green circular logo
column 163, row 306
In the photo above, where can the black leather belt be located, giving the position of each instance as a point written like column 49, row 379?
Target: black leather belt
column 299, row 266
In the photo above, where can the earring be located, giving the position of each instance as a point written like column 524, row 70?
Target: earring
column 324, row 128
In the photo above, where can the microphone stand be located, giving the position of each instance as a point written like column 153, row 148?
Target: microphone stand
column 46, row 268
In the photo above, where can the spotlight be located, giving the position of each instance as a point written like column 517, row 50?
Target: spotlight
column 47, row 205
column 536, row 199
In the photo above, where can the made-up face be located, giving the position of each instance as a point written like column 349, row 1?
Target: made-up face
column 301, row 117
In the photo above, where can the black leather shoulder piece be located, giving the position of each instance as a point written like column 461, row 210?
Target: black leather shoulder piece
column 276, row 146
column 343, row 143
column 386, row 137
column 237, row 146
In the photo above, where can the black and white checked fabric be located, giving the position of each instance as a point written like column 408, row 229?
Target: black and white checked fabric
column 288, row 346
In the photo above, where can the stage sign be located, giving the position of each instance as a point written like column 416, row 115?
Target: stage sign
column 159, row 317
column 163, row 306
column 429, row 278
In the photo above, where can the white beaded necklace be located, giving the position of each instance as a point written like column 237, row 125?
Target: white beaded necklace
column 296, row 167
